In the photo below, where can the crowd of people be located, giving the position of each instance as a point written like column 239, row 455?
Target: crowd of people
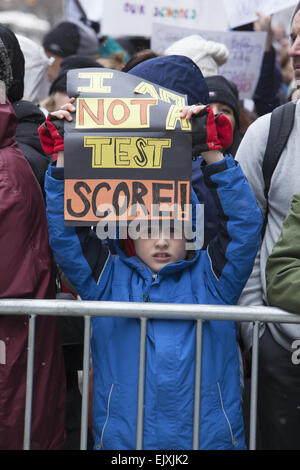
column 249, row 255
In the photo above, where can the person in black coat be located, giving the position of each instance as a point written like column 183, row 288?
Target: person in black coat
column 29, row 115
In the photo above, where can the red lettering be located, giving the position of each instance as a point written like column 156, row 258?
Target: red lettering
column 84, row 107
column 110, row 112
column 143, row 108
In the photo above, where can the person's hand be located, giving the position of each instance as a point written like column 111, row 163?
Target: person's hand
column 65, row 112
column 51, row 132
column 210, row 131
column 188, row 112
column 264, row 23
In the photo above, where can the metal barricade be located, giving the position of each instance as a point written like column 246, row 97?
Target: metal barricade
column 143, row 311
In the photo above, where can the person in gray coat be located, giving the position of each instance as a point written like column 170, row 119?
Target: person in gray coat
column 279, row 378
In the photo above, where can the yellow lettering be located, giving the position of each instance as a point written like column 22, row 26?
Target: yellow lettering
column 121, row 155
column 128, row 152
column 145, row 88
column 158, row 145
column 96, row 82
column 113, row 113
column 173, row 117
column 96, row 144
column 168, row 96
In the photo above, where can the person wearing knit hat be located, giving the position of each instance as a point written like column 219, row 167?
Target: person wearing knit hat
column 29, row 115
column 224, row 98
column 208, row 55
column 68, row 38
column 26, row 271
column 224, row 92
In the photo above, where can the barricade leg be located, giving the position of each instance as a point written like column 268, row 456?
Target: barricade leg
column 29, row 382
column 85, row 383
column 197, row 393
column 254, row 383
column 141, row 385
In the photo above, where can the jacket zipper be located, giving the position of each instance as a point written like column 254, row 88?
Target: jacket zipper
column 100, row 445
column 234, row 442
column 146, row 297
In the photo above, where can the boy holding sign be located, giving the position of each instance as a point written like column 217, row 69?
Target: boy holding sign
column 162, row 269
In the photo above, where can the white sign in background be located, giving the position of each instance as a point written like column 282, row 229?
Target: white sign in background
column 135, row 18
column 246, row 51
column 92, row 8
column 241, row 12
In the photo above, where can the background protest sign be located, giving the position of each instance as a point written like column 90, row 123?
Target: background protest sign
column 241, row 12
column 127, row 151
column 246, row 49
column 138, row 16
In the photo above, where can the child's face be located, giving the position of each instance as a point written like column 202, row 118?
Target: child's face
column 158, row 252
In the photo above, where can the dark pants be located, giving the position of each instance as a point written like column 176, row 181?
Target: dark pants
column 278, row 397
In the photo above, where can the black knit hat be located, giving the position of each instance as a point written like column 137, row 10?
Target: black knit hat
column 15, row 91
column 70, row 37
column 224, row 91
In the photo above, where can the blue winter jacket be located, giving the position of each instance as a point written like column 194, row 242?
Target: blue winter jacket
column 214, row 276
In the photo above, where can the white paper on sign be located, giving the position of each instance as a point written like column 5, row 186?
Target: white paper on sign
column 135, row 18
column 191, row 14
column 241, row 12
column 246, row 49
column 126, row 18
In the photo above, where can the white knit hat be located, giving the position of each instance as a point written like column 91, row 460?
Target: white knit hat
column 208, row 55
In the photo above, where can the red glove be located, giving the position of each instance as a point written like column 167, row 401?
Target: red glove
column 210, row 132
column 224, row 130
column 52, row 135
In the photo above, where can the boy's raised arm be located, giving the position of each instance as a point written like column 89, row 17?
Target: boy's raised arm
column 230, row 255
column 77, row 250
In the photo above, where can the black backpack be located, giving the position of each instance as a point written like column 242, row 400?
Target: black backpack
column 282, row 121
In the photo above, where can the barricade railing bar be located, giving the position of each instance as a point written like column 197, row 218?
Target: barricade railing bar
column 143, row 311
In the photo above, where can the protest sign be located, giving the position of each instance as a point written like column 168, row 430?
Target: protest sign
column 138, row 16
column 246, row 49
column 241, row 12
column 127, row 151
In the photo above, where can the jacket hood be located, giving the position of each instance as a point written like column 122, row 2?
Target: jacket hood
column 16, row 91
column 177, row 73
column 36, row 82
column 125, row 248
column 30, row 117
